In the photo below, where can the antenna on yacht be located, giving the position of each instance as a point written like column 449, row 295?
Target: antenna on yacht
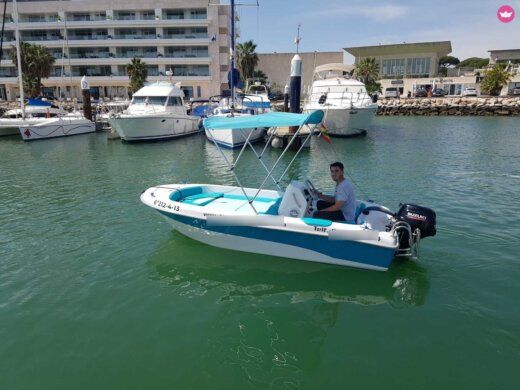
column 18, row 57
column 232, row 52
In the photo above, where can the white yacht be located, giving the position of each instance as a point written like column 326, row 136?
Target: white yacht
column 257, row 97
column 349, row 110
column 228, row 138
column 61, row 126
column 156, row 112
column 34, row 113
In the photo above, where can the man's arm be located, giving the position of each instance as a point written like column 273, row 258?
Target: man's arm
column 326, row 198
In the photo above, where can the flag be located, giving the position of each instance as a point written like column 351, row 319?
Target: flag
column 324, row 134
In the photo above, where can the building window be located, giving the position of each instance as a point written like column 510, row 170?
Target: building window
column 198, row 14
column 175, row 14
column 393, row 68
column 418, row 67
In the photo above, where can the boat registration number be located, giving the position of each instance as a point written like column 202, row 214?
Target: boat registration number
column 164, row 205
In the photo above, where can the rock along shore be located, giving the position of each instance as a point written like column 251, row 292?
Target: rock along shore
column 458, row 106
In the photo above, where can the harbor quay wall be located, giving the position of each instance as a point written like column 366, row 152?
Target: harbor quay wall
column 458, row 106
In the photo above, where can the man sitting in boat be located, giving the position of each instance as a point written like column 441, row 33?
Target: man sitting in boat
column 342, row 206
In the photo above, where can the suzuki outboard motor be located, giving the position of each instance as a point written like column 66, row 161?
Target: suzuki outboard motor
column 421, row 221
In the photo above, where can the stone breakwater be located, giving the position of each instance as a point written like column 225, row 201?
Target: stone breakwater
column 481, row 106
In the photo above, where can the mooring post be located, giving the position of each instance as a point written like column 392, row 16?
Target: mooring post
column 295, row 93
column 286, row 99
column 85, row 91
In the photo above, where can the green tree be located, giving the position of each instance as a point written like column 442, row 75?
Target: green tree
column 37, row 64
column 495, row 79
column 137, row 72
column 473, row 62
column 446, row 62
column 367, row 71
column 247, row 59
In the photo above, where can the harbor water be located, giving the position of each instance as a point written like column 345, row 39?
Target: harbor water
column 97, row 291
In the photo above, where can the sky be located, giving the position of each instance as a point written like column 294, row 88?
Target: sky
column 331, row 25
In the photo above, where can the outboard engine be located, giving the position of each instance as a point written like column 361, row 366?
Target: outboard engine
column 413, row 222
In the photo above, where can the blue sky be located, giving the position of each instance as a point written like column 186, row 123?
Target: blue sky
column 470, row 25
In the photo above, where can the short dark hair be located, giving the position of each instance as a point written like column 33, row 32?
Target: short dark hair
column 337, row 164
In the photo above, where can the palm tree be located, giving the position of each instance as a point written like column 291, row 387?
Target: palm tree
column 367, row 70
column 37, row 64
column 495, row 79
column 137, row 72
column 247, row 59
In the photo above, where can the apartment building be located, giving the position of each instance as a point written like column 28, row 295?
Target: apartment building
column 98, row 38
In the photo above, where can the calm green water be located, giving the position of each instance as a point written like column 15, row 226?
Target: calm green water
column 97, row 292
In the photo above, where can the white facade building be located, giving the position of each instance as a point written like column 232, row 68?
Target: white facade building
column 98, row 38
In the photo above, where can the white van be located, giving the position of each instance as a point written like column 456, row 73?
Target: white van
column 392, row 92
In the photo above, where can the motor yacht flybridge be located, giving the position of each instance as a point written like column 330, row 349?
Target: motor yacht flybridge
column 279, row 222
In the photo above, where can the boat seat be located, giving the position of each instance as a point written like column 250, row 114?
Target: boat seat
column 178, row 195
column 202, row 199
column 359, row 210
column 317, row 222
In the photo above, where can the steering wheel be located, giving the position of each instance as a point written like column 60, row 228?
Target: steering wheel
column 311, row 188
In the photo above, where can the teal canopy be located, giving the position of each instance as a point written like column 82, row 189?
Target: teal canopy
column 271, row 119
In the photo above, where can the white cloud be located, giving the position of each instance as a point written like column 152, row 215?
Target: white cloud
column 380, row 12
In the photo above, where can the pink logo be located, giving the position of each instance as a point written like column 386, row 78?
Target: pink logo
column 506, row 14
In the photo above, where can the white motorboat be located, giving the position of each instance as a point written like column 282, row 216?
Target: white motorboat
column 156, row 112
column 349, row 110
column 66, row 125
column 257, row 97
column 279, row 222
column 227, row 137
column 34, row 113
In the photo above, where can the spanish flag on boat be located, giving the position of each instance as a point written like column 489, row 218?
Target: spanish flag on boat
column 324, row 134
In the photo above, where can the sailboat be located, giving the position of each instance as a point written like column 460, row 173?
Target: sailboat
column 229, row 107
column 60, row 126
column 36, row 111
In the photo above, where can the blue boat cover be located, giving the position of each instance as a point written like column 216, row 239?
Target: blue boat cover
column 38, row 102
column 271, row 119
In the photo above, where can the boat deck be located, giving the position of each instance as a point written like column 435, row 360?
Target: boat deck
column 233, row 203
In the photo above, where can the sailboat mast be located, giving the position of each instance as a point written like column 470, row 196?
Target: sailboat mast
column 18, row 57
column 232, row 73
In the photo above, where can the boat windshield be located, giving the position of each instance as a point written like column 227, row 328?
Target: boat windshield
column 156, row 100
column 257, row 89
column 138, row 100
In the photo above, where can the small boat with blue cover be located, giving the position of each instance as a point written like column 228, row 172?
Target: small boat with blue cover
column 279, row 222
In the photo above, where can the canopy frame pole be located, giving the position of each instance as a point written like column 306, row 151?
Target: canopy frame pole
column 278, row 161
column 243, row 147
column 273, row 130
column 259, row 156
column 311, row 132
column 232, row 169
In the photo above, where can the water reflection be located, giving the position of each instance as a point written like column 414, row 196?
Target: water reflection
column 181, row 261
column 261, row 308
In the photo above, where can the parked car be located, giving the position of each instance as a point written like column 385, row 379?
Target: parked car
column 469, row 91
column 391, row 92
column 438, row 92
column 421, row 93
column 516, row 91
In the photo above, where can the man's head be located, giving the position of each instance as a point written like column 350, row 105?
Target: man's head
column 336, row 171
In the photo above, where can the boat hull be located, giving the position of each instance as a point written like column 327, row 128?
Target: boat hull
column 57, row 128
column 12, row 126
column 234, row 138
column 289, row 244
column 343, row 122
column 153, row 128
